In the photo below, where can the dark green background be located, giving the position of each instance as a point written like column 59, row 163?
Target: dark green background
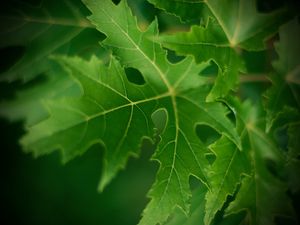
column 43, row 191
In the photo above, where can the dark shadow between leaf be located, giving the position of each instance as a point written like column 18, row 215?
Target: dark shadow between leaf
column 173, row 57
column 9, row 56
column 211, row 70
column 116, row 2
column 134, row 76
column 211, row 157
column 207, row 134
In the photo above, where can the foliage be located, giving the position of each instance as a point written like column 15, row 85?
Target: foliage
column 200, row 111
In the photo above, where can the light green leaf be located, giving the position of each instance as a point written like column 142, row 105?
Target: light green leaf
column 225, row 175
column 196, row 213
column 196, row 216
column 117, row 114
column 54, row 83
column 28, row 103
column 41, row 29
column 209, row 43
column 92, row 118
column 235, row 25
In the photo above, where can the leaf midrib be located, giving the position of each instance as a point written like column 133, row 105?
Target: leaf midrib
column 171, row 92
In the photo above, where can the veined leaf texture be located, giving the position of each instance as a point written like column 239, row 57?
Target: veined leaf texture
column 206, row 115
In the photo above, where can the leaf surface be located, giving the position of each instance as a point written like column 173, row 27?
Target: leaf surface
column 292, row 159
column 262, row 194
column 52, row 84
column 209, row 43
column 44, row 28
column 118, row 114
column 240, row 20
column 282, row 99
column 28, row 103
column 230, row 26
column 225, row 175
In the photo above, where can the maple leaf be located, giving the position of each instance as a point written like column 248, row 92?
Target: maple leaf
column 253, row 187
column 247, row 28
column 54, row 83
column 118, row 114
column 221, row 38
column 282, row 99
column 197, row 210
column 197, row 214
column 225, row 175
column 209, row 43
column 91, row 99
column 45, row 28
column 262, row 194
column 282, row 102
column 28, row 103
column 189, row 10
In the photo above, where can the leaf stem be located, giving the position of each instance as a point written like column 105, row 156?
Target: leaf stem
column 248, row 78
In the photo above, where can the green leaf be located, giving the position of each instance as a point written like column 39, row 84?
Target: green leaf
column 196, row 216
column 282, row 102
column 54, row 83
column 225, row 175
column 196, row 213
column 41, row 29
column 28, row 103
column 117, row 113
column 189, row 10
column 262, row 195
column 293, row 157
column 235, row 25
column 209, row 43
column 282, row 99
column 242, row 24
column 125, row 90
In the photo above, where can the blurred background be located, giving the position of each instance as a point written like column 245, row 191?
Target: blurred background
column 43, row 191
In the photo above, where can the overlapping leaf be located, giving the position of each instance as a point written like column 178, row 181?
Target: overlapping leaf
column 118, row 114
column 225, row 175
column 189, row 10
column 54, row 83
column 292, row 159
column 247, row 28
column 41, row 30
column 262, row 194
column 282, row 99
column 100, row 104
column 28, row 103
column 209, row 43
column 196, row 216
column 221, row 38
column 76, row 124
